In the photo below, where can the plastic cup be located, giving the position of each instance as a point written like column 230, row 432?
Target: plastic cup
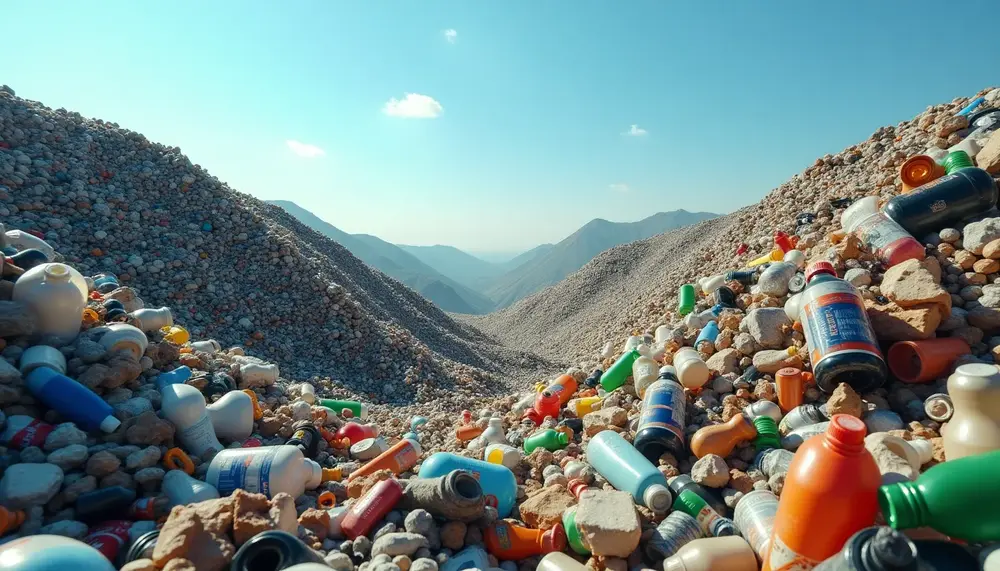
column 924, row 361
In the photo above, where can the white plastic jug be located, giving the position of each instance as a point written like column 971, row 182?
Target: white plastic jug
column 184, row 406
column 25, row 241
column 267, row 470
column 150, row 320
column 57, row 294
column 182, row 489
column 124, row 337
column 232, row 416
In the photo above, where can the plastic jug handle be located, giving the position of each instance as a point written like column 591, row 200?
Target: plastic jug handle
column 177, row 459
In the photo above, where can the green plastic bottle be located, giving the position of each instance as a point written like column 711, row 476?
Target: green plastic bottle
column 960, row 498
column 549, row 439
column 573, row 536
column 686, row 299
column 617, row 374
column 360, row 411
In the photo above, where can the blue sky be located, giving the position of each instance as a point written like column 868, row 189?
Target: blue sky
column 524, row 109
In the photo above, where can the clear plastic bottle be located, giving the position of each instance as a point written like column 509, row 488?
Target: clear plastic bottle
column 267, row 470
column 57, row 294
column 185, row 406
column 754, row 517
column 975, row 424
column 644, row 372
column 886, row 239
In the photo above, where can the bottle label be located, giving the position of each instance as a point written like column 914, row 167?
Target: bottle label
column 664, row 407
column 503, row 537
column 250, row 472
column 34, row 434
column 405, row 459
column 108, row 537
column 755, row 519
column 144, row 509
column 836, row 322
column 707, row 518
column 782, row 558
column 879, row 233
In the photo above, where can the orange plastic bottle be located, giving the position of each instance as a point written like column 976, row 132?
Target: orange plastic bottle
column 830, row 493
column 722, row 438
column 791, row 384
column 399, row 458
column 10, row 520
column 564, row 387
column 467, row 432
column 509, row 542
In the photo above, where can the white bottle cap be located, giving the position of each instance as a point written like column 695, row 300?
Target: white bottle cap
column 110, row 424
column 364, row 412
column 368, row 448
column 657, row 498
column 924, row 449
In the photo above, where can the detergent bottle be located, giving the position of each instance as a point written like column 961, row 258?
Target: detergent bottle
column 267, row 470
column 72, row 400
column 184, row 406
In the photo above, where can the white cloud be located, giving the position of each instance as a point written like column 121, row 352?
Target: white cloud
column 635, row 131
column 304, row 149
column 450, row 35
column 620, row 187
column 413, row 106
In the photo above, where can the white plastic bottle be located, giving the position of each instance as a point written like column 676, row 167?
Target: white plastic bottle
column 150, row 320
column 267, row 470
column 503, row 454
column 307, row 393
column 182, row 489
column 255, row 373
column 125, row 337
column 644, row 373
column 232, row 416
column 207, row 346
column 51, row 553
column 712, row 283
column 494, row 433
column 57, row 294
column 25, row 241
column 692, row 372
column 184, row 406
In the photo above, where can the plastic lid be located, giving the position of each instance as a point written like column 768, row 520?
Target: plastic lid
column 57, row 271
column 847, row 429
column 787, row 374
column 820, row 267
column 657, row 498
column 110, row 424
column 332, row 474
column 554, row 539
column 364, row 412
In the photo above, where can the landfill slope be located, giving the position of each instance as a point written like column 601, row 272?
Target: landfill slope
column 230, row 266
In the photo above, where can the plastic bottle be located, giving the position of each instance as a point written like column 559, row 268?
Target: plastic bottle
column 708, row 334
column 51, row 553
column 574, row 538
column 691, row 370
column 10, row 520
column 584, row 405
column 124, row 337
column 842, row 344
column 72, row 400
column 359, row 410
column 250, row 373
column 924, row 361
column 875, row 549
column 399, row 458
column 618, row 373
column 232, row 416
column 108, row 537
column 23, row 431
column 956, row 161
column 661, row 422
column 628, row 470
column 675, row 531
column 57, row 294
column 184, row 406
column 563, row 388
column 721, row 439
column 549, row 439
column 498, row 482
column 546, row 404
column 679, row 484
column 368, row 448
column 104, row 503
column 767, row 433
column 830, row 493
column 356, row 432
column 173, row 377
column 509, row 542
column 503, row 454
column 886, row 239
column 685, row 299
column 754, row 517
column 795, row 438
column 273, row 550
column 182, row 489
column 711, row 521
column 943, row 202
column 919, row 170
column 371, row 507
column 472, row 557
column 710, row 284
column 773, row 461
column 150, row 320
column 594, row 378
column 975, row 423
column 644, row 372
column 729, row 553
column 790, row 387
column 802, row 416
column 267, row 470
column 555, row 561
column 207, row 346
column 960, row 498
column 763, row 408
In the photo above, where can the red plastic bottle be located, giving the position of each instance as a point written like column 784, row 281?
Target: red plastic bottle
column 830, row 493
column 371, row 508
column 546, row 404
column 356, row 432
column 564, row 387
column 783, row 242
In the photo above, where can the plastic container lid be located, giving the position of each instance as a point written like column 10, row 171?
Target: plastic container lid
column 657, row 498
column 847, row 429
column 110, row 424
column 820, row 267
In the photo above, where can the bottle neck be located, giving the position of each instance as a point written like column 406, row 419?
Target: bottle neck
column 903, row 505
column 841, row 447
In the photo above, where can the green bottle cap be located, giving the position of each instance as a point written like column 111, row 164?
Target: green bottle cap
column 689, row 503
column 573, row 536
column 767, row 433
column 957, row 160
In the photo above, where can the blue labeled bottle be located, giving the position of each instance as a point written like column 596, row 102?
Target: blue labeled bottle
column 72, row 400
column 498, row 482
column 628, row 470
column 842, row 344
column 661, row 423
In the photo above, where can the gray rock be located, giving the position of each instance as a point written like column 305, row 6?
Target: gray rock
column 419, row 521
column 765, row 326
column 424, row 564
column 144, row 458
column 402, row 543
column 340, row 561
column 985, row 318
column 17, row 319
column 103, row 463
column 25, row 485
column 132, row 407
column 362, row 546
column 883, row 421
column 711, row 470
column 978, row 234
column 774, row 280
column 950, row 235
column 149, row 478
column 9, row 375
column 32, row 455
column 66, row 434
column 990, row 296
column 66, row 528
column 69, row 457
column 89, row 351
column 858, row 277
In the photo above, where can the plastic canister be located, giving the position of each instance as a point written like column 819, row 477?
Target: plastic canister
column 51, row 553
column 184, row 406
column 182, row 489
column 57, row 294
column 883, row 236
column 628, row 470
column 150, row 320
column 42, row 356
column 267, row 470
column 72, row 400
column 691, row 370
column 498, row 482
column 232, row 416
column 754, row 517
column 943, row 202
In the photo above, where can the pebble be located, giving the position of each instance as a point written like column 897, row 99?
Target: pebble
column 25, row 485
column 711, row 471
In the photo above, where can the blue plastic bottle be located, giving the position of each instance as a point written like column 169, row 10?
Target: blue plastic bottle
column 627, row 469
column 174, row 377
column 72, row 400
column 472, row 557
column 498, row 482
column 708, row 333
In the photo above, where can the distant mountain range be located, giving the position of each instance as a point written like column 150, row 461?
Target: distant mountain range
column 459, row 282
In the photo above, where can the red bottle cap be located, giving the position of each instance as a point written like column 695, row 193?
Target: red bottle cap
column 820, row 267
column 847, row 429
column 554, row 539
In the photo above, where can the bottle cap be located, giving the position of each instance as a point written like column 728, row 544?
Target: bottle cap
column 554, row 539
column 820, row 267
column 657, row 498
column 332, row 474
column 110, row 424
column 847, row 429
column 364, row 412
column 315, row 475
column 900, row 504
column 416, row 446
column 368, row 448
